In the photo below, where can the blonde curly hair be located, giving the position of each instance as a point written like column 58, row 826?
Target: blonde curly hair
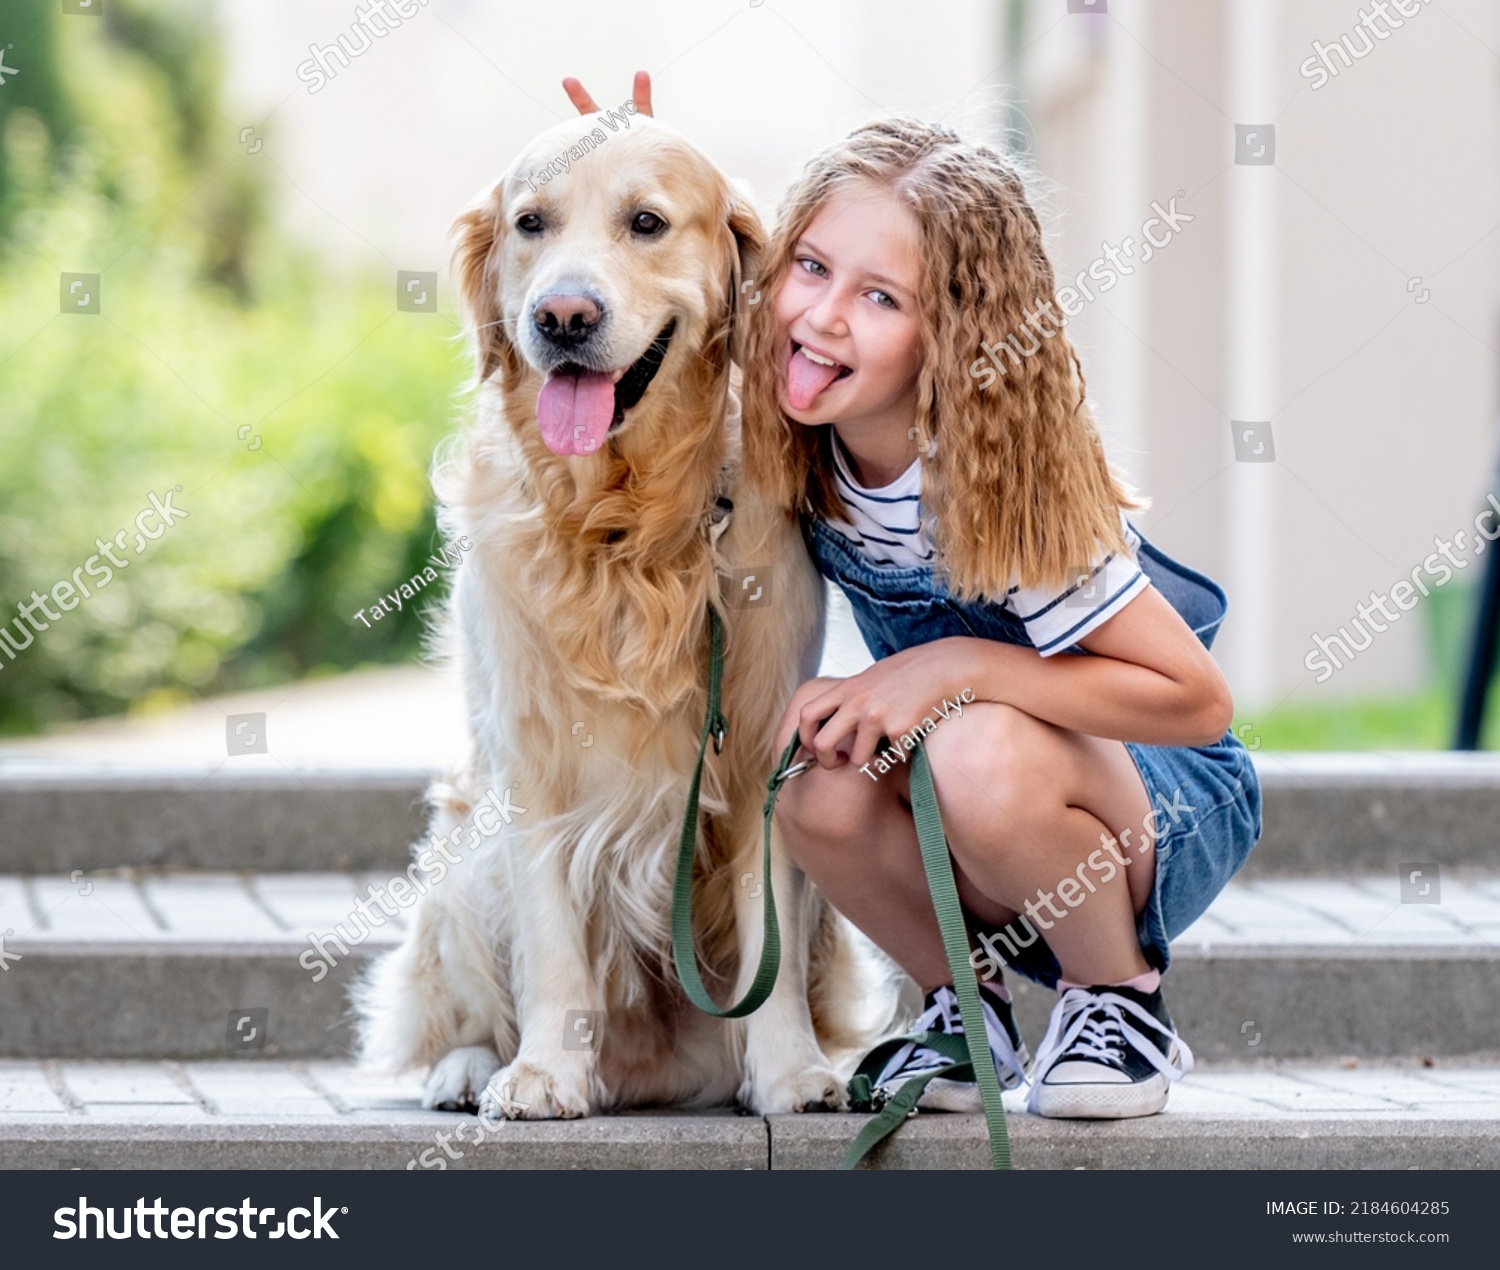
column 1016, row 487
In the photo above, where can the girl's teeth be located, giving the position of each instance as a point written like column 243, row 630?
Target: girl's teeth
column 819, row 361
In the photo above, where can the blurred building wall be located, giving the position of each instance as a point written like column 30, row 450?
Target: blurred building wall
column 1383, row 407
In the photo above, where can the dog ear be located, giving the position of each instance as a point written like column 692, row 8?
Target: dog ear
column 744, row 273
column 473, row 241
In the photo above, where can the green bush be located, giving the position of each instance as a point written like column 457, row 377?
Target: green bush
column 209, row 327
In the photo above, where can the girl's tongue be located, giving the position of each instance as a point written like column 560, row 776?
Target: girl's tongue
column 805, row 379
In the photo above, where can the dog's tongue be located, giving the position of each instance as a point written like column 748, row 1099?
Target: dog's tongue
column 574, row 409
column 805, row 379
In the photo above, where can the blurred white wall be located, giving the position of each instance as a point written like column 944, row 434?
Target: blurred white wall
column 379, row 160
column 1381, row 408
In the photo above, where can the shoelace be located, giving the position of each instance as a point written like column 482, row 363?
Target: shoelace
column 911, row 1058
column 1100, row 1025
column 944, row 1015
column 1103, row 1039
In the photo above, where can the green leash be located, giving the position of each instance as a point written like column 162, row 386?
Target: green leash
column 971, row 1054
column 684, row 956
column 978, row 1064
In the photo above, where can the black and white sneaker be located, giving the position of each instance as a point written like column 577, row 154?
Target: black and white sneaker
column 941, row 1014
column 1110, row 1053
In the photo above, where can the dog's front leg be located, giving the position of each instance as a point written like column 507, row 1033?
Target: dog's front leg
column 559, row 1006
column 785, row 1068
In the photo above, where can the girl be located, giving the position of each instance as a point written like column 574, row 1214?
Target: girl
column 1055, row 663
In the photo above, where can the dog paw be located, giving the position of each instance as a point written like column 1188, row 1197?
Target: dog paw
column 524, row 1091
column 814, row 1088
column 457, row 1081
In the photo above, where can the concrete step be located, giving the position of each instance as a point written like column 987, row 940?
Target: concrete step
column 288, row 1115
column 143, row 965
column 58, row 817
column 140, row 964
column 1321, row 812
column 1376, row 812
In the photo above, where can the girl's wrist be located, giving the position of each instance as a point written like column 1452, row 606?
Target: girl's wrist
column 976, row 661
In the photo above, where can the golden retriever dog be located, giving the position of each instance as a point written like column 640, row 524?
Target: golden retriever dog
column 536, row 979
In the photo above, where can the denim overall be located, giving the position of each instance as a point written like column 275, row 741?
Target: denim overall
column 1208, row 797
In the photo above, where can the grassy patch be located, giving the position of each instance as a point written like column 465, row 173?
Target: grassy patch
column 1419, row 721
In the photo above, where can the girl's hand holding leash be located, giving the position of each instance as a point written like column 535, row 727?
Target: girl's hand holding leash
column 889, row 698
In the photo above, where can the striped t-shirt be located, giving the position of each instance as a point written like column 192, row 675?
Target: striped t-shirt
column 886, row 525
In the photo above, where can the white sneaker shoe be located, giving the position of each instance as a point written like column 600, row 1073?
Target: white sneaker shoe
column 941, row 1014
column 1110, row 1053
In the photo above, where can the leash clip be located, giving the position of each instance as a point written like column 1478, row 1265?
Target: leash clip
column 796, row 769
column 718, row 731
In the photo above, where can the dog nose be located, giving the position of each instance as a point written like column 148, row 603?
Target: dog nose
column 566, row 319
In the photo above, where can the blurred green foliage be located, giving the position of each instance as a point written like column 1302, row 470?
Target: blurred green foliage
column 115, row 160
column 1424, row 720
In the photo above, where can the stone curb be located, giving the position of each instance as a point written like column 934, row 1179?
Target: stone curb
column 618, row 1142
column 172, row 1001
column 740, row 1143
column 1158, row 1142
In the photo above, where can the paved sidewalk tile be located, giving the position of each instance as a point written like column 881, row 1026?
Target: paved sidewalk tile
column 252, row 1089
column 100, row 1085
column 342, row 1091
column 209, row 906
column 308, row 901
column 15, row 912
column 1361, row 910
column 92, row 908
column 131, row 1092
column 25, row 1089
column 191, row 907
column 360, row 1089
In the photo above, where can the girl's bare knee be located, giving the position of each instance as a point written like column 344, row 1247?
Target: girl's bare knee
column 992, row 745
column 822, row 809
column 995, row 766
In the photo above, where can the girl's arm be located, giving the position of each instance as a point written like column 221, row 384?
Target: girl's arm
column 1150, row 681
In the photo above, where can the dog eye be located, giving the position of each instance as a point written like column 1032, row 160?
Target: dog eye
column 647, row 223
column 530, row 223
